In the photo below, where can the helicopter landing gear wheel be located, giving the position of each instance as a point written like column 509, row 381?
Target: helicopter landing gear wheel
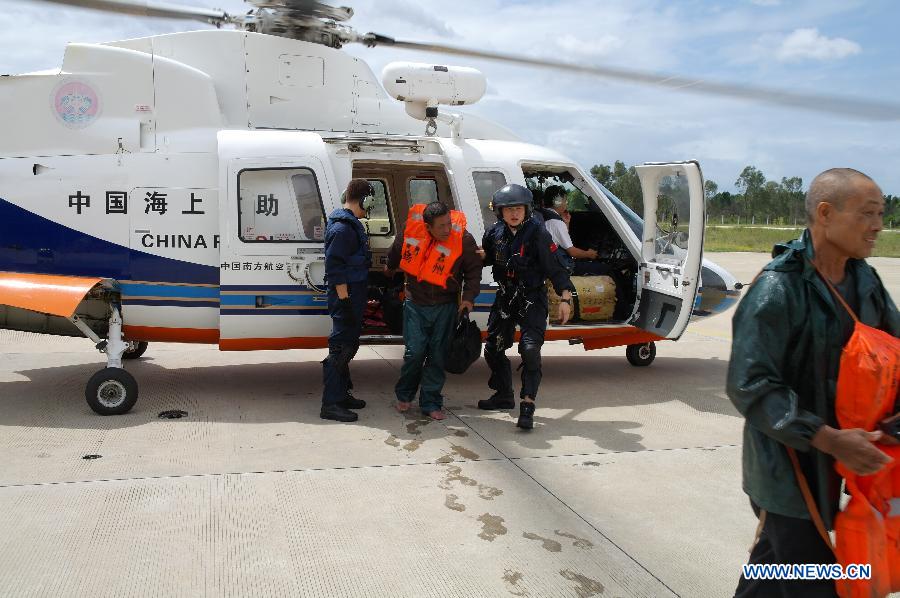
column 111, row 391
column 641, row 355
column 135, row 349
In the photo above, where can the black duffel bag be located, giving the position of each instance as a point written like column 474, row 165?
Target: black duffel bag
column 464, row 347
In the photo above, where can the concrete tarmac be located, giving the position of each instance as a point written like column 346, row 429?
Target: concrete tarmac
column 628, row 486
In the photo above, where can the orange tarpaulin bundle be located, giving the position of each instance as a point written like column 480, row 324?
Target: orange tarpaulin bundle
column 867, row 531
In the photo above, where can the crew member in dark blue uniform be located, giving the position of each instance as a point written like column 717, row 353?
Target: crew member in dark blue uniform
column 347, row 262
column 522, row 256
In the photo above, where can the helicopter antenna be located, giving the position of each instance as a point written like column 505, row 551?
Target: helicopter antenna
column 860, row 108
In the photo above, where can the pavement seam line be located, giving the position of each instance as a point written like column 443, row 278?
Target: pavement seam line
column 658, row 450
column 237, row 473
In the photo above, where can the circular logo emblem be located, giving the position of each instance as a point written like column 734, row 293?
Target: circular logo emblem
column 76, row 104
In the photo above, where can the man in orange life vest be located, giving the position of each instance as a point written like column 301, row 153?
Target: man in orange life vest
column 439, row 258
column 789, row 332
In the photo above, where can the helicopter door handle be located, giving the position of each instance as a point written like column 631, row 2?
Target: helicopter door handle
column 664, row 269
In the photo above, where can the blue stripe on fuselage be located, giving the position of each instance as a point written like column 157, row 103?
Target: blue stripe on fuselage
column 149, row 289
column 34, row 244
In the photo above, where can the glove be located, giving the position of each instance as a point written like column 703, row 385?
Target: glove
column 346, row 308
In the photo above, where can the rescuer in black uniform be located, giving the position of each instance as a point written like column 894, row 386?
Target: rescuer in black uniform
column 347, row 262
column 522, row 256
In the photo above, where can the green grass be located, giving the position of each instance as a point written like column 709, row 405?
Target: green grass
column 746, row 238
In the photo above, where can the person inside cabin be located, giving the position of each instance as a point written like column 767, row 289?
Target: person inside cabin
column 555, row 207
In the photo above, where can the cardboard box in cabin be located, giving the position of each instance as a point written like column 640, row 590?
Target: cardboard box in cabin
column 596, row 298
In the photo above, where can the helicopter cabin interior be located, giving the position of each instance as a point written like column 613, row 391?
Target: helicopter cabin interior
column 610, row 279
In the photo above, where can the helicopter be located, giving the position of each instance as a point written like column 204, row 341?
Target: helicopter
column 174, row 188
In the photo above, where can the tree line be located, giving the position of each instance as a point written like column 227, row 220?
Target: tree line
column 757, row 201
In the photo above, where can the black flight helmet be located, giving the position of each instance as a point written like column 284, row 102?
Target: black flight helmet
column 509, row 196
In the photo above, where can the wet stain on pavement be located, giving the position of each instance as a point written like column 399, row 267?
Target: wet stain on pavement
column 546, row 543
column 412, row 445
column 445, row 459
column 392, row 441
column 513, row 578
column 579, row 542
column 488, row 492
column 455, row 474
column 451, row 503
column 465, row 453
column 460, row 433
column 591, row 464
column 586, row 586
column 414, row 427
column 492, row 526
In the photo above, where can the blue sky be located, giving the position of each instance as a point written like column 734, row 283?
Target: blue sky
column 841, row 47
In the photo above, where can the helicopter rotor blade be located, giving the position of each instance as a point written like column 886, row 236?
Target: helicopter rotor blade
column 859, row 108
column 146, row 8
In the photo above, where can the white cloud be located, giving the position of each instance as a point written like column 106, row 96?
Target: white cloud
column 810, row 44
column 601, row 46
column 766, row 2
column 405, row 11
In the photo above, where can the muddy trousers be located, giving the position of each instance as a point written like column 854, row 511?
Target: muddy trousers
column 500, row 336
column 787, row 540
column 343, row 343
column 426, row 331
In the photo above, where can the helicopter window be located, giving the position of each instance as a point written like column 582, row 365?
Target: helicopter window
column 378, row 222
column 673, row 216
column 486, row 184
column 422, row 191
column 280, row 205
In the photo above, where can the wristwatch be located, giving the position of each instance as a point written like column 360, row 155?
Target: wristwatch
column 569, row 301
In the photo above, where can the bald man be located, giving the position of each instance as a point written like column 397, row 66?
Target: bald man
column 789, row 332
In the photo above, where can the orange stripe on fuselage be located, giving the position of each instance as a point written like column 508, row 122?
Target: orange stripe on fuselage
column 593, row 338
column 171, row 335
column 598, row 338
column 267, row 344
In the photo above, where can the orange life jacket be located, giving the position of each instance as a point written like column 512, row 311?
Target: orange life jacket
column 423, row 256
column 867, row 531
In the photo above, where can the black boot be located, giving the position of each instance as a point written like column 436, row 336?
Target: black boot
column 337, row 413
column 351, row 402
column 497, row 402
column 526, row 415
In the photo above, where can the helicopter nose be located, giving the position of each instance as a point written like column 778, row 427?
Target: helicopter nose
column 716, row 294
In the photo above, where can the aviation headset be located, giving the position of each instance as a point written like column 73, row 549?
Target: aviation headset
column 558, row 197
column 367, row 202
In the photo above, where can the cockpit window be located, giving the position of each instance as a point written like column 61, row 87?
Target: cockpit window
column 635, row 223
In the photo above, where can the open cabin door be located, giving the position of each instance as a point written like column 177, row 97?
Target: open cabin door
column 671, row 248
column 278, row 191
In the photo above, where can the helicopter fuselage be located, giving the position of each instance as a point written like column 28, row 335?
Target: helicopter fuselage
column 195, row 171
